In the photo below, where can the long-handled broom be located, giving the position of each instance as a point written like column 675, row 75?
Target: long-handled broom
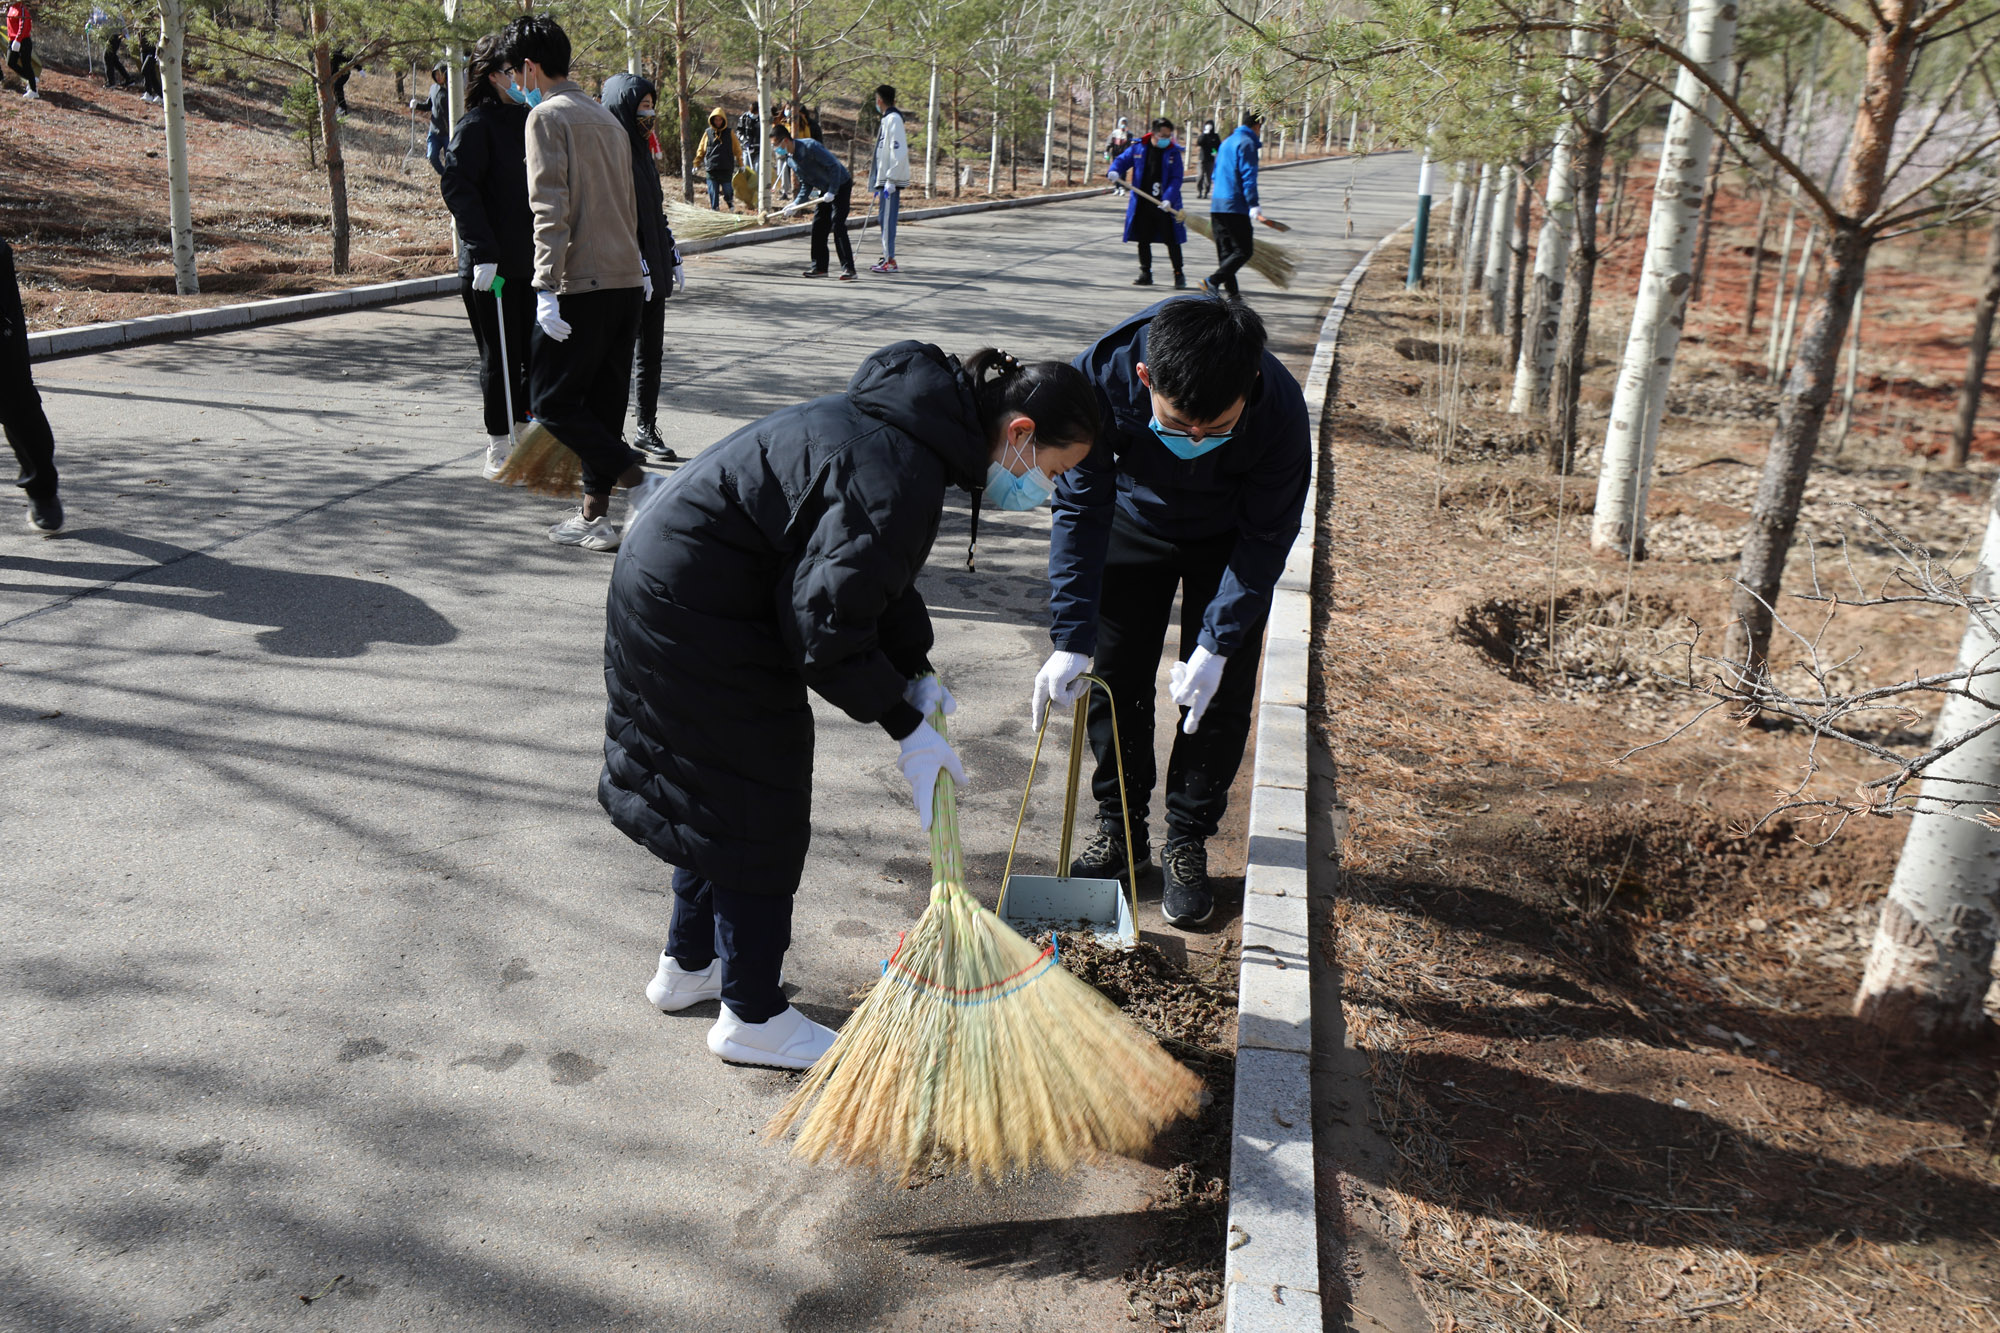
column 538, row 459
column 706, row 224
column 978, row 1051
column 1271, row 260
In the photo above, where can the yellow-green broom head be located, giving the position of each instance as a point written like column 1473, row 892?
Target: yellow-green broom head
column 542, row 463
column 1275, row 263
column 704, row 224
column 977, row 1052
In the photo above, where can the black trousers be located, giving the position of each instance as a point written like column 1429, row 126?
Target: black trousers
column 1207, row 179
column 149, row 73
column 115, row 73
column 832, row 216
column 1150, row 226
column 21, row 415
column 749, row 932
column 652, row 347
column 22, row 62
column 1233, row 244
column 517, row 303
column 1141, row 574
column 579, row 386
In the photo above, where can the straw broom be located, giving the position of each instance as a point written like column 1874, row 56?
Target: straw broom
column 1271, row 260
column 977, row 1050
column 690, row 223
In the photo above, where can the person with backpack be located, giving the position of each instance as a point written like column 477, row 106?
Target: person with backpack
column 149, row 69
column 1155, row 165
column 820, row 171
column 750, row 137
column 21, row 415
column 1233, row 208
column 483, row 176
column 891, row 172
column 21, row 47
column 591, row 281
column 1207, row 144
column 781, row 563
column 719, row 155
column 631, row 98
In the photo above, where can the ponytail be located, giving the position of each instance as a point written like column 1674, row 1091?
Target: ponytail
column 1055, row 395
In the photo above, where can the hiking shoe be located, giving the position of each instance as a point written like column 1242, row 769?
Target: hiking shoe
column 497, row 449
column 45, row 516
column 592, row 534
column 648, row 439
column 886, row 266
column 674, row 988
column 1186, row 900
column 1143, row 280
column 813, row 273
column 789, row 1041
column 847, row 275
column 1103, row 857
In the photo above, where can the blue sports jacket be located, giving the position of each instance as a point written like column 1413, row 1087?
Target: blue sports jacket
column 1253, row 486
column 818, row 169
column 1235, row 188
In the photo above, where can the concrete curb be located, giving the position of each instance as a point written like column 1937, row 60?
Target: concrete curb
column 156, row 328
column 1271, row 1276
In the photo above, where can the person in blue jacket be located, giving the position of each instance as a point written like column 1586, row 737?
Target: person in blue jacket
column 1196, row 484
column 1232, row 206
column 1156, row 165
column 819, row 170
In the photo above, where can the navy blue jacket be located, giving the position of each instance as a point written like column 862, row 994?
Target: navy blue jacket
column 1253, row 486
column 818, row 169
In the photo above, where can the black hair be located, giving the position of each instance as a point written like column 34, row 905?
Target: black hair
column 779, row 130
column 489, row 57
column 1203, row 354
column 887, row 92
column 1250, row 116
column 1055, row 395
column 1163, row 124
column 539, row 38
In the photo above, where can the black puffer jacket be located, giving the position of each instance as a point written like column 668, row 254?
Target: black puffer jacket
column 783, row 557
column 622, row 94
column 485, row 185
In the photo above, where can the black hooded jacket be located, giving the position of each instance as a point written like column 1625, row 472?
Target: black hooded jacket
column 485, row 185
column 782, row 558
column 622, row 93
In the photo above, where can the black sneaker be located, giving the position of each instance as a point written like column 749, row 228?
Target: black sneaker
column 847, row 275
column 1180, row 282
column 1143, row 280
column 1186, row 901
column 1103, row 857
column 648, row 439
column 813, row 273
column 45, row 516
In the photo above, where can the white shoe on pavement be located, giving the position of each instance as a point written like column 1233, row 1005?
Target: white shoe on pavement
column 674, row 988
column 497, row 449
column 647, row 491
column 31, row 96
column 789, row 1041
column 592, row 534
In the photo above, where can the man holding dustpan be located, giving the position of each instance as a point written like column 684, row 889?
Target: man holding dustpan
column 1196, row 485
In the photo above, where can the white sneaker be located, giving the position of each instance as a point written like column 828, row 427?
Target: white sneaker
column 31, row 96
column 497, row 449
column 789, row 1041
column 674, row 988
column 592, row 534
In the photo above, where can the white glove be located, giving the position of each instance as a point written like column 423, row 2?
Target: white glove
column 1256, row 213
column 680, row 277
column 13, row 46
column 1057, row 682
column 925, row 755
column 419, row 104
column 1193, row 684
column 482, row 277
column 646, row 281
column 928, row 695
column 548, row 314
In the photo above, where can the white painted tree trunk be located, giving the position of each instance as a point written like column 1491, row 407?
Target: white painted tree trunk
column 1472, row 264
column 180, row 210
column 993, row 157
column 1461, row 195
column 1930, row 966
column 1618, row 521
column 930, row 137
column 1499, row 230
column 1049, row 132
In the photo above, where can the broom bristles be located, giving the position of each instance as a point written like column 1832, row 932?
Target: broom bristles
column 542, row 463
column 977, row 1050
column 1273, row 261
column 704, row 224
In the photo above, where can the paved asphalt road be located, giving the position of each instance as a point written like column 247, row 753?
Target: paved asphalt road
column 318, row 959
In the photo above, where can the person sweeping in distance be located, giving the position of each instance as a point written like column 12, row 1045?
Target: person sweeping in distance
column 891, row 173
column 819, row 171
column 590, row 279
column 1197, row 486
column 780, row 560
column 1157, row 165
column 720, row 154
column 1232, row 204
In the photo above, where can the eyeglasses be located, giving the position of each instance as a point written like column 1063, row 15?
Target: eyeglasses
column 1218, row 436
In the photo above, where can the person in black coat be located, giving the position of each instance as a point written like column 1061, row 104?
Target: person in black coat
column 630, row 97
column 21, row 415
column 485, row 184
column 784, row 558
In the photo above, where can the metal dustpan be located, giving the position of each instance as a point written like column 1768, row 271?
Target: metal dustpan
column 1035, row 903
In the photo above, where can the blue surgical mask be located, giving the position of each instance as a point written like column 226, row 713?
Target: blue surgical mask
column 532, row 97
column 1186, row 446
column 781, row 152
column 1030, row 490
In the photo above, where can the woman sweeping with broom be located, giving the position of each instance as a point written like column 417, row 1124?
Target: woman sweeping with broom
column 781, row 559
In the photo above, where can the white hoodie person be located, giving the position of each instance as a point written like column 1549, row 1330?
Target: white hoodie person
column 890, row 173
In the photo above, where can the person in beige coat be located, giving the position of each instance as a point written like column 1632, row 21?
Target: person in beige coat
column 590, row 281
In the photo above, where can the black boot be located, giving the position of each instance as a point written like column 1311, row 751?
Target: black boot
column 1103, row 857
column 45, row 515
column 648, row 439
column 1143, row 280
column 1186, row 901
column 1180, row 281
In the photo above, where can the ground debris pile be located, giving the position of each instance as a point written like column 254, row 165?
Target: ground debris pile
column 1177, row 1283
column 1580, row 641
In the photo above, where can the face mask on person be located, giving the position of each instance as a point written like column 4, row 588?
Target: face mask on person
column 1030, row 490
column 1185, row 446
column 532, row 97
column 647, row 115
column 781, row 152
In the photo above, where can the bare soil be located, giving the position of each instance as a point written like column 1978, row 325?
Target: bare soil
column 1603, row 998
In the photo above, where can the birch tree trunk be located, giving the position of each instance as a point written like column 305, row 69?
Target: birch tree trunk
column 1931, row 962
column 1538, row 349
column 180, row 209
column 764, row 163
column 1774, row 514
column 1461, row 196
column 681, row 95
column 1580, row 282
column 1517, row 261
column 1618, row 522
column 1499, row 223
column 329, row 128
column 1974, row 384
column 993, row 156
column 1049, row 132
column 1757, row 264
column 1472, row 267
